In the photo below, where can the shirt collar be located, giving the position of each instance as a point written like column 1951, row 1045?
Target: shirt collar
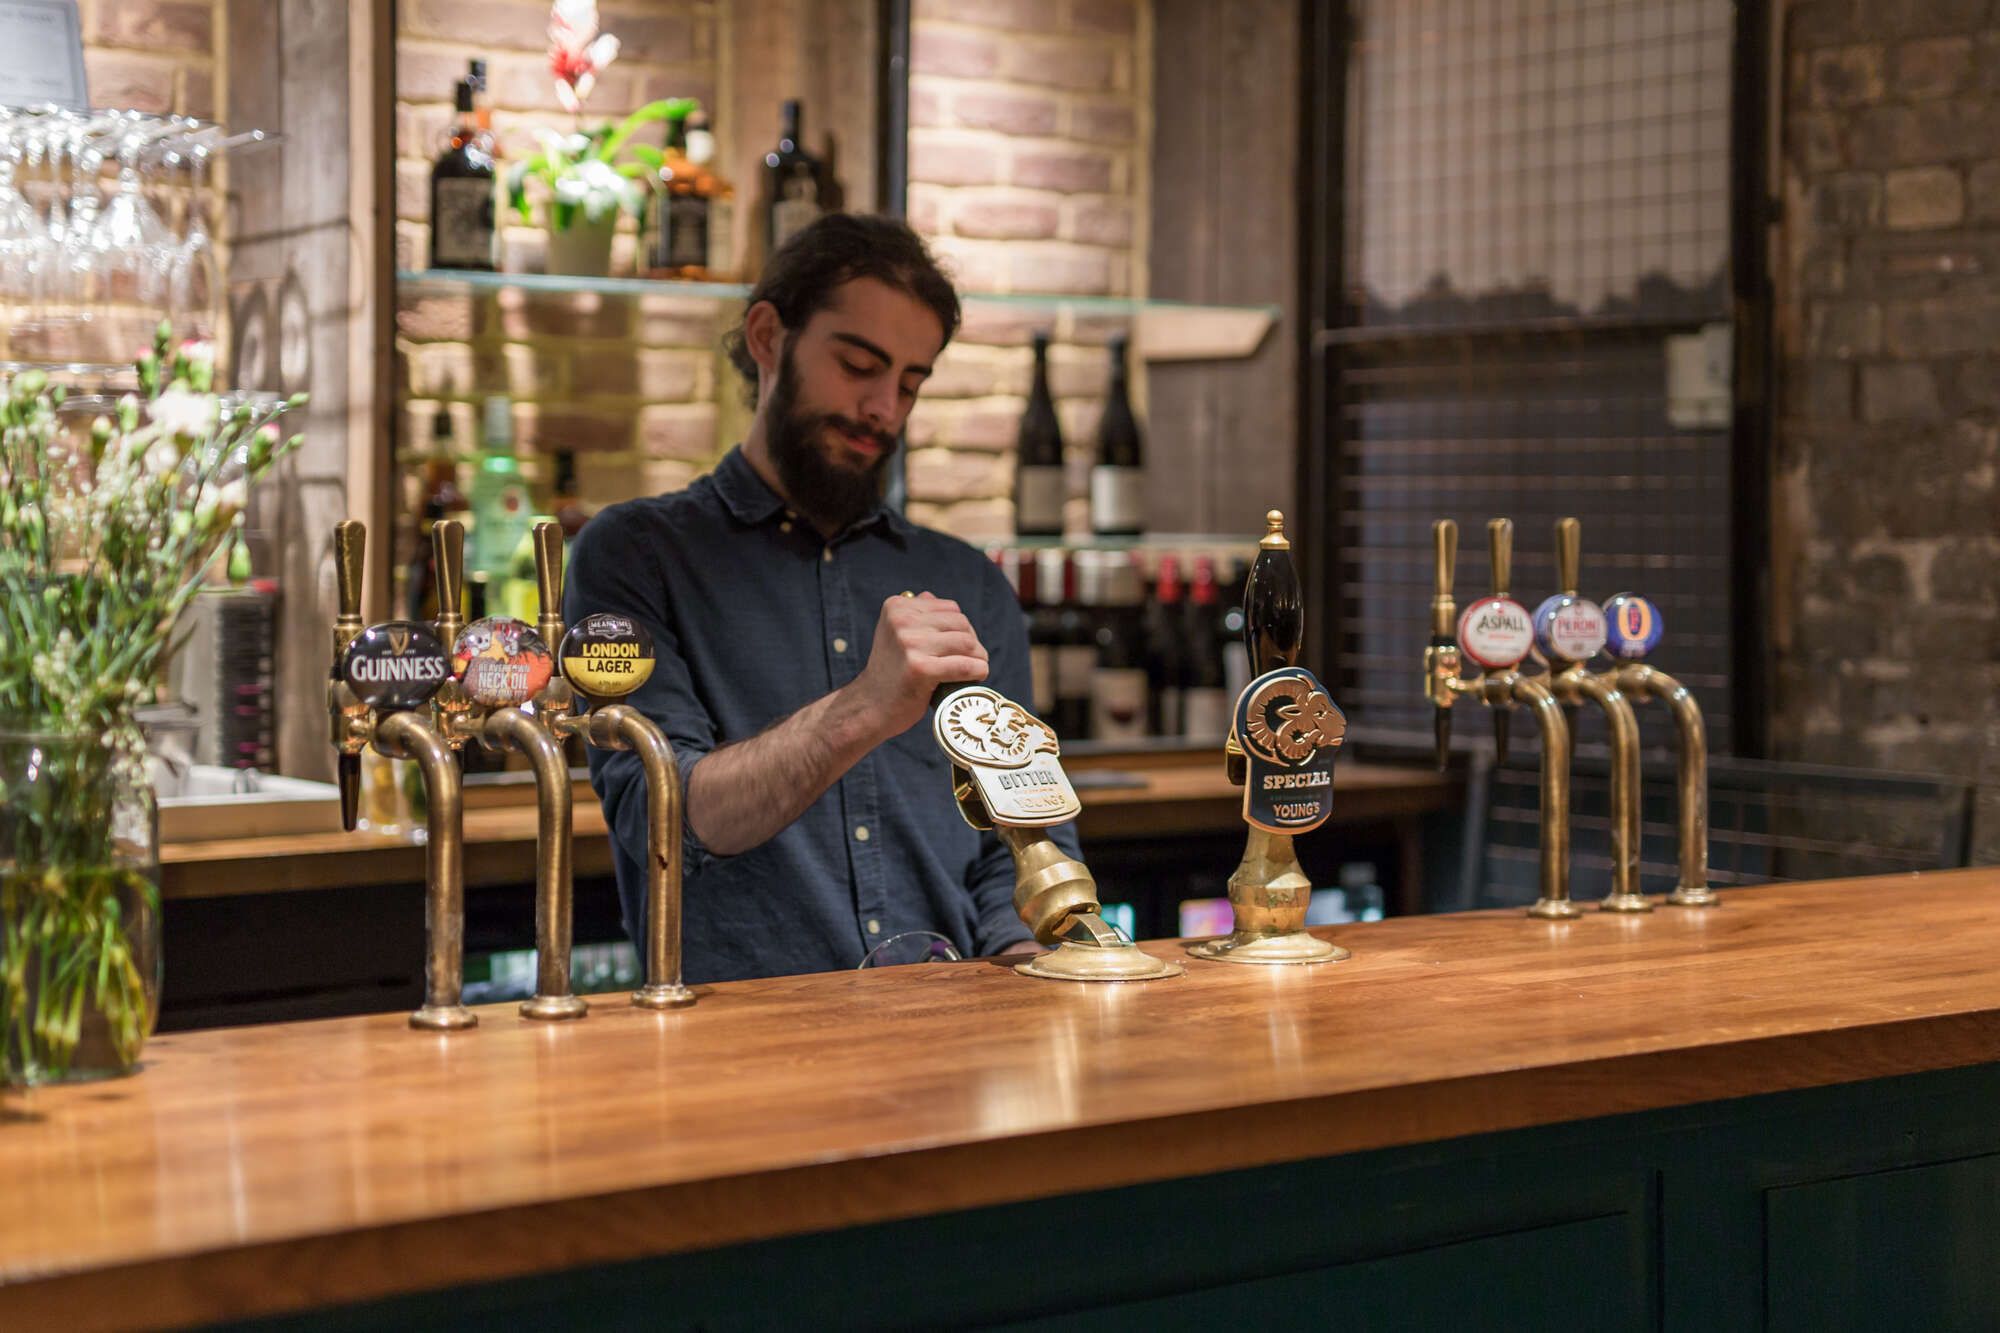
column 750, row 499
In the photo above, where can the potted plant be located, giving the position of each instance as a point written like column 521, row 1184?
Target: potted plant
column 106, row 534
column 588, row 176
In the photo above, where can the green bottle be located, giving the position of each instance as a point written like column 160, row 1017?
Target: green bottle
column 502, row 508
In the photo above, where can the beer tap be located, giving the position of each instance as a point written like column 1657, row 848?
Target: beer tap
column 1635, row 628
column 501, row 664
column 1495, row 634
column 1007, row 776
column 383, row 678
column 1570, row 631
column 1284, row 736
column 603, row 658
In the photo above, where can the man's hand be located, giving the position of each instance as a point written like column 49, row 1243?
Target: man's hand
column 921, row 642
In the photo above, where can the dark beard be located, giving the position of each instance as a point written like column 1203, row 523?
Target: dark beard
column 832, row 496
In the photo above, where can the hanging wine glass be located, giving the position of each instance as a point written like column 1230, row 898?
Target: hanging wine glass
column 194, row 292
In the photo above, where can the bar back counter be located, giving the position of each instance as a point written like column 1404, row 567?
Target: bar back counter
column 1775, row 1113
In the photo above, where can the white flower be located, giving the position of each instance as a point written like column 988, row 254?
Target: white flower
column 201, row 350
column 232, row 496
column 161, row 456
column 178, row 412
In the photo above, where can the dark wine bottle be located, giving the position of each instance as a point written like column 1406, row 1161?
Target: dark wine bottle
column 1117, row 480
column 462, row 229
column 1076, row 647
column 1166, row 661
column 1045, row 631
column 1205, row 701
column 1038, row 457
column 794, row 185
column 1118, row 710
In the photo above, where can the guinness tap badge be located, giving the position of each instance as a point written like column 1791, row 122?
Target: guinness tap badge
column 1011, row 755
column 394, row 666
column 1290, row 733
column 501, row 661
column 607, row 656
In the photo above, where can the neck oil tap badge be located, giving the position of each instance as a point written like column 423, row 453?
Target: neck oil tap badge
column 1290, row 733
column 501, row 661
column 1011, row 755
column 607, row 656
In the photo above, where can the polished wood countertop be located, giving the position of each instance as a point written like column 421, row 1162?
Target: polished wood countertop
column 1169, row 793
column 254, row 1170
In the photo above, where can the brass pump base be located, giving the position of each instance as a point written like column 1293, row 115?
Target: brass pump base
column 1698, row 895
column 554, row 1008
column 1249, row 946
column 662, row 995
column 1625, row 902
column 1070, row 961
column 443, row 1018
column 1555, row 909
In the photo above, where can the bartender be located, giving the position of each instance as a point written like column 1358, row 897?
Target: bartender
column 802, row 627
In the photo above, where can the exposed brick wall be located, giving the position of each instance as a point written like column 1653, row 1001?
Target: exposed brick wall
column 1028, row 152
column 626, row 383
column 152, row 55
column 1888, row 298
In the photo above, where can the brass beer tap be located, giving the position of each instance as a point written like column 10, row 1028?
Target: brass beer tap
column 1495, row 634
column 1570, row 631
column 502, row 664
column 1281, row 747
column 383, row 679
column 605, row 657
column 1006, row 776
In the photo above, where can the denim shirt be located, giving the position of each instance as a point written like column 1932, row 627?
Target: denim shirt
column 754, row 615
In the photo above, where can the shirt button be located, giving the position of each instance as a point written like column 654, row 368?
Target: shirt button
column 874, row 926
column 840, row 645
column 786, row 526
column 861, row 833
column 827, row 555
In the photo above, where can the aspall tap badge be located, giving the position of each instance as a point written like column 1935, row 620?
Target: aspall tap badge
column 607, row 656
column 501, row 661
column 396, row 665
column 1569, row 629
column 1495, row 633
column 1011, row 755
column 1634, row 625
column 1290, row 733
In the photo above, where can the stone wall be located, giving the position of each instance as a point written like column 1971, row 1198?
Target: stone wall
column 1887, row 568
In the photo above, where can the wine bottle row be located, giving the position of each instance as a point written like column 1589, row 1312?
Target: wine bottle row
column 1117, row 473
column 1121, row 656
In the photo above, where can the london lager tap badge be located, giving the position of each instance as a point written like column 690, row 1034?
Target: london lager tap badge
column 1290, row 733
column 607, row 656
column 1011, row 755
column 395, row 665
column 501, row 661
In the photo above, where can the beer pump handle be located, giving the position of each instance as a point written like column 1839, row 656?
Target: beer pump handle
column 1500, row 550
column 448, row 554
column 549, row 580
column 350, row 544
column 1569, row 555
column 1274, row 611
column 1444, row 618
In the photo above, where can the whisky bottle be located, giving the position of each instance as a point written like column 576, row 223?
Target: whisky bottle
column 1117, row 480
column 677, row 233
column 462, row 192
column 1038, row 465
column 721, row 198
column 793, row 185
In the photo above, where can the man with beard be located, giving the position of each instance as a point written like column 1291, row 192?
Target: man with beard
column 802, row 628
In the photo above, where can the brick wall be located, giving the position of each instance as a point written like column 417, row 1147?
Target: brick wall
column 152, row 55
column 1887, row 576
column 626, row 383
column 1028, row 153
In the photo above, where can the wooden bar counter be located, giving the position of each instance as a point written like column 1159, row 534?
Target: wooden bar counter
column 1740, row 1117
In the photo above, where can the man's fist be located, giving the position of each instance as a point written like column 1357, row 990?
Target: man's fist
column 920, row 643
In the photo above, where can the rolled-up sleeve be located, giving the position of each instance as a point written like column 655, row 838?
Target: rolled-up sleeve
column 613, row 569
column 1003, row 629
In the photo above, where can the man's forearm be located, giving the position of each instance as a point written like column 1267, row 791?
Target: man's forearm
column 745, row 794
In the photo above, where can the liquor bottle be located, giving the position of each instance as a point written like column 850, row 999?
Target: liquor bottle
column 568, row 509
column 721, row 198
column 1166, row 658
column 1045, row 633
column 793, row 181
column 1118, row 709
column 1038, row 457
column 442, row 499
column 1234, row 583
column 482, row 104
column 1076, row 646
column 1206, row 701
column 502, row 508
column 1117, row 480
column 462, row 192
column 676, row 242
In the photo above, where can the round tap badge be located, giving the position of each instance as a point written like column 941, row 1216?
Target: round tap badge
column 396, row 665
column 501, row 661
column 1495, row 633
column 607, row 656
column 1635, row 625
column 1569, row 628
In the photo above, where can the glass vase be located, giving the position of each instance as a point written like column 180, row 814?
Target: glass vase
column 79, row 908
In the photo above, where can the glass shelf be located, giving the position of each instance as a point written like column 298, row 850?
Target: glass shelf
column 1162, row 330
